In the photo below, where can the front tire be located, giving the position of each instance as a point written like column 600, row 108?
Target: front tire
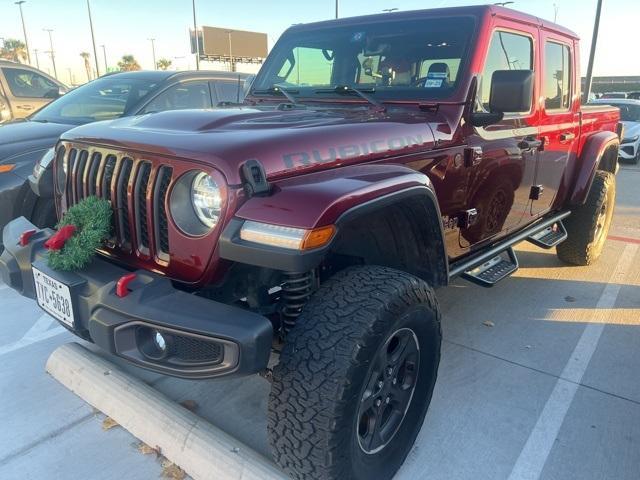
column 355, row 376
column 588, row 225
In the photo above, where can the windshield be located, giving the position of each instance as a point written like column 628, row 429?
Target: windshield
column 398, row 60
column 629, row 113
column 102, row 99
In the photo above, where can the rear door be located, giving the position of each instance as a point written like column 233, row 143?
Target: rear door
column 229, row 91
column 559, row 120
column 28, row 90
column 504, row 171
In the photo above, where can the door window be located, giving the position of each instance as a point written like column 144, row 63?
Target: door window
column 557, row 76
column 29, row 84
column 181, row 97
column 227, row 91
column 507, row 51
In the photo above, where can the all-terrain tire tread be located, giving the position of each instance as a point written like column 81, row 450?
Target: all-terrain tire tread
column 308, row 392
column 579, row 248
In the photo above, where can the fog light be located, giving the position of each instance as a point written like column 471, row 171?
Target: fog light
column 160, row 342
column 154, row 344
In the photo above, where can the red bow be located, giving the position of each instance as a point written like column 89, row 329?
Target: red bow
column 57, row 240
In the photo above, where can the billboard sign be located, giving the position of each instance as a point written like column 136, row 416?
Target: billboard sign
column 229, row 43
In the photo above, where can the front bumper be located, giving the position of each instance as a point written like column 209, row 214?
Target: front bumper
column 207, row 338
column 16, row 199
column 628, row 151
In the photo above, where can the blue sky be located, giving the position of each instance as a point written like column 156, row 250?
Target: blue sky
column 124, row 26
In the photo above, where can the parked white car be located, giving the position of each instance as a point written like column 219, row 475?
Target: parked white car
column 630, row 116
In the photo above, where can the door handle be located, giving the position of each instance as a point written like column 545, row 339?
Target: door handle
column 567, row 137
column 530, row 143
column 24, row 107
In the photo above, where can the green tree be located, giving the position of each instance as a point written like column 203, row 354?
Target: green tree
column 14, row 50
column 87, row 66
column 128, row 64
column 163, row 64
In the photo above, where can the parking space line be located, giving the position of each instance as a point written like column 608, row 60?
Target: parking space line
column 536, row 450
column 624, row 239
column 36, row 333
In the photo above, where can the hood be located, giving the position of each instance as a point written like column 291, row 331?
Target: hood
column 21, row 137
column 284, row 141
column 631, row 129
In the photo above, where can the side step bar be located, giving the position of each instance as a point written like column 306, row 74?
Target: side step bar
column 494, row 270
column 469, row 265
column 550, row 236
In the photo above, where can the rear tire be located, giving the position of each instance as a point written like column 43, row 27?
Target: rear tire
column 588, row 225
column 363, row 354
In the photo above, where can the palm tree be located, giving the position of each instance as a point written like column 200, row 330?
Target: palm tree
column 87, row 66
column 163, row 64
column 14, row 50
column 128, row 64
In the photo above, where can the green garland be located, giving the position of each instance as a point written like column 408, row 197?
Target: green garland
column 92, row 219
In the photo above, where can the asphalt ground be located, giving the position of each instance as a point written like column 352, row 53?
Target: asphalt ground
column 540, row 378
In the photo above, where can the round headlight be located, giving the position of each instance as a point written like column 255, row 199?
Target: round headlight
column 206, row 199
column 196, row 202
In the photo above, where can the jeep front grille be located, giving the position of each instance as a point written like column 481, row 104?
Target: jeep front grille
column 137, row 190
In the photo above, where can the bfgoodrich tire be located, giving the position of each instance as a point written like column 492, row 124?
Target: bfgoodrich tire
column 588, row 224
column 355, row 377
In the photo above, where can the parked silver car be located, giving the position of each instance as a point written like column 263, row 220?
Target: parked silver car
column 24, row 89
column 630, row 116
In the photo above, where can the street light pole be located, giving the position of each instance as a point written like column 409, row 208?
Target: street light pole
column 195, row 35
column 104, row 54
column 592, row 53
column 231, row 66
column 153, row 52
column 24, row 30
column 53, row 56
column 93, row 40
column 35, row 50
column 337, row 8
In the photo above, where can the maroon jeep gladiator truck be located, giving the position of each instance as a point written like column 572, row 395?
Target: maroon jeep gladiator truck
column 302, row 234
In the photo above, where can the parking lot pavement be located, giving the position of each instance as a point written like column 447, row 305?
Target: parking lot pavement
column 538, row 380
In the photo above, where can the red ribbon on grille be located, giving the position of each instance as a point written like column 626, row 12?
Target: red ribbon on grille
column 57, row 240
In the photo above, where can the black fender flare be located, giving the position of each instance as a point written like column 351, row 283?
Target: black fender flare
column 340, row 196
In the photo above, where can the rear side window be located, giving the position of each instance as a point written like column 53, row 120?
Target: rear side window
column 507, row 51
column 182, row 96
column 28, row 84
column 557, row 76
column 227, row 91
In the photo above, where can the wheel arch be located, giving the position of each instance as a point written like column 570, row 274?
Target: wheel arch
column 402, row 230
column 600, row 152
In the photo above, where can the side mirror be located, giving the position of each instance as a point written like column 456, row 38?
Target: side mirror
column 55, row 93
column 511, row 91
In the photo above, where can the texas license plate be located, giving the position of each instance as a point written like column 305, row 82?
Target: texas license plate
column 54, row 297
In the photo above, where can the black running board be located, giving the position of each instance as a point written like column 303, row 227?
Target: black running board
column 492, row 271
column 550, row 236
column 470, row 263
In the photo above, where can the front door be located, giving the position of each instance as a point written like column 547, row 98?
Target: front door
column 503, row 173
column 28, row 90
column 559, row 122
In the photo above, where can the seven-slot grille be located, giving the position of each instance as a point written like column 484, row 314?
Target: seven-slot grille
column 137, row 190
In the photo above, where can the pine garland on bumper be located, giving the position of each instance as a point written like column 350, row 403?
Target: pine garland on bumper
column 90, row 226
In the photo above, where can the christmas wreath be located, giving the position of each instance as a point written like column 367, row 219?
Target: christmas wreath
column 83, row 228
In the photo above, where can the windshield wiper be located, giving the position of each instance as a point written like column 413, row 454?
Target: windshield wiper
column 278, row 90
column 347, row 90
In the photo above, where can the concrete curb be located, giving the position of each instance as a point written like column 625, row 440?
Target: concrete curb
column 199, row 448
